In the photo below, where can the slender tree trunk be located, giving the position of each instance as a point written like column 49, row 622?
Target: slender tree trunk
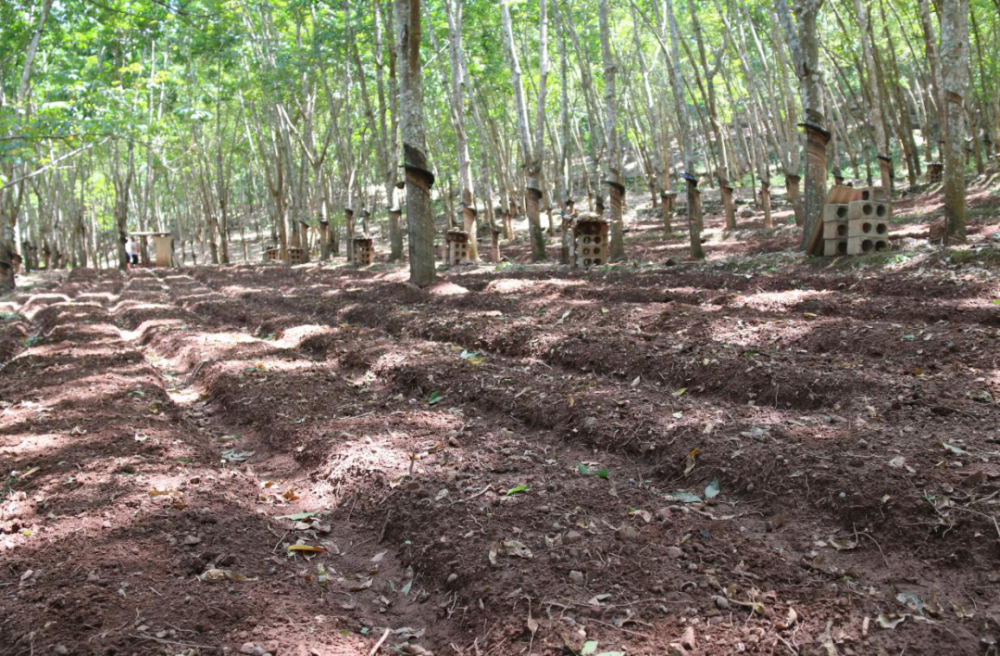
column 955, row 82
column 458, row 95
column 532, row 145
column 687, row 150
column 616, row 186
column 419, row 179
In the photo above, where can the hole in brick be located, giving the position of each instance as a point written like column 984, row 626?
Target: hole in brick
column 866, row 195
column 588, row 261
column 880, row 210
column 842, row 248
column 881, row 228
column 597, row 251
column 597, row 240
column 867, row 245
column 841, row 230
column 866, row 227
column 867, row 209
column 597, row 260
column 881, row 245
column 842, row 211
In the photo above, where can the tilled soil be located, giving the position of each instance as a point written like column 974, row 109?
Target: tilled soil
column 668, row 459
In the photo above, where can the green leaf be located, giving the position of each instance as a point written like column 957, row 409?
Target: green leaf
column 959, row 451
column 683, row 497
column 611, row 653
column 582, row 468
column 523, row 487
column 434, row 398
column 996, row 301
column 712, row 490
column 681, row 391
column 603, row 473
column 473, row 357
column 589, row 647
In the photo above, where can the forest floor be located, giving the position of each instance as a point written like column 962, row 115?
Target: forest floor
column 762, row 453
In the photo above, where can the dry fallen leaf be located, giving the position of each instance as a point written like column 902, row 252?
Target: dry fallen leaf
column 692, row 460
column 161, row 493
column 514, row 548
column 219, row 575
column 305, row 547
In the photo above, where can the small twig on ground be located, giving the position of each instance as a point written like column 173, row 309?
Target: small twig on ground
column 282, row 539
column 479, row 493
column 378, row 645
column 385, row 525
column 174, row 642
column 884, row 559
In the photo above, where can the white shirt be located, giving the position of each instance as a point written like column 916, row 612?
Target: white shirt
column 130, row 247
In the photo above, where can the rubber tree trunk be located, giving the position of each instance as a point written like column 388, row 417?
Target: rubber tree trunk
column 727, row 204
column 396, row 228
column 816, row 141
column 666, row 210
column 795, row 197
column 470, row 226
column 955, row 81
column 349, row 230
column 419, row 216
column 765, row 201
column 694, row 218
column 616, row 192
column 533, row 202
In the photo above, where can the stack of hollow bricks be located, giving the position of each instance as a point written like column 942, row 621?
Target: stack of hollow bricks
column 858, row 224
column 590, row 240
column 364, row 251
column 458, row 246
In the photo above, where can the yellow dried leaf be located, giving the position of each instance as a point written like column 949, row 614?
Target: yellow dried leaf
column 692, row 460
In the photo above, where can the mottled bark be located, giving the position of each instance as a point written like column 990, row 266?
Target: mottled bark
column 613, row 160
column 419, row 217
column 954, row 85
column 532, row 144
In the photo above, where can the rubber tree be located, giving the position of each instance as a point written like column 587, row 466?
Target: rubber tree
column 419, row 179
column 532, row 142
column 804, row 45
column 954, row 85
column 875, row 99
column 459, row 92
column 684, row 130
column 12, row 194
column 613, row 162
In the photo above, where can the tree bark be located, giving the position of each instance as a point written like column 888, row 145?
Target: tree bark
column 458, row 94
column 954, row 84
column 532, row 144
column 616, row 187
column 419, row 216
